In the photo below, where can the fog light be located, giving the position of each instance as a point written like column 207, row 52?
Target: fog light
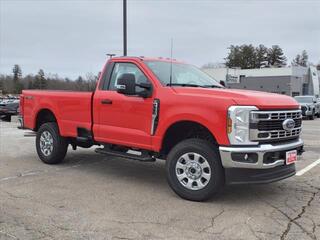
column 263, row 135
column 245, row 157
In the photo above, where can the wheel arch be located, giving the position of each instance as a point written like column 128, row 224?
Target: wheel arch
column 44, row 115
column 184, row 129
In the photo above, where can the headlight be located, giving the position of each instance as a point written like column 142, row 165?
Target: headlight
column 238, row 125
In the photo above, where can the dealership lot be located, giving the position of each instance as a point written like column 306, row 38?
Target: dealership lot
column 93, row 196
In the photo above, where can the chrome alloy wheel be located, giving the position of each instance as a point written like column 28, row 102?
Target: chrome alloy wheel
column 46, row 143
column 193, row 171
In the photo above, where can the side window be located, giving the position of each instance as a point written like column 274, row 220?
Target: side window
column 120, row 68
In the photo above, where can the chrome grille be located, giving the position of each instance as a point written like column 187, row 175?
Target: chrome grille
column 275, row 124
column 268, row 125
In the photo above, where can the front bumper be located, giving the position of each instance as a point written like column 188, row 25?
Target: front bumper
column 266, row 155
column 266, row 162
column 307, row 113
column 258, row 176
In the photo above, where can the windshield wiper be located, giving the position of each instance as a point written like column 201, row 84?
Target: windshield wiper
column 183, row 84
column 211, row 86
column 193, row 85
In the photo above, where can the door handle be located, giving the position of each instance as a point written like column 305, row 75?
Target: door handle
column 106, row 101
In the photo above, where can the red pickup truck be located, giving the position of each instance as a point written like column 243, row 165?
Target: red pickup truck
column 154, row 108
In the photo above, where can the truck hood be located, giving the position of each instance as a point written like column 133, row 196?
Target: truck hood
column 262, row 100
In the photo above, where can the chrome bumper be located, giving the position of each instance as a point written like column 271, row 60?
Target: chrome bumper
column 308, row 113
column 260, row 150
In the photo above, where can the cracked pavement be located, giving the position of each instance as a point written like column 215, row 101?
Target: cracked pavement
column 91, row 196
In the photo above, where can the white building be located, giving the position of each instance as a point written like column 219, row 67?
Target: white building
column 292, row 81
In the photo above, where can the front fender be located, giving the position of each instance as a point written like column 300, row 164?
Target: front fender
column 214, row 121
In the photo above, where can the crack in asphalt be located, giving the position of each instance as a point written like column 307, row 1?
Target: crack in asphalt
column 303, row 210
column 212, row 221
column 7, row 234
column 294, row 220
column 251, row 229
column 38, row 172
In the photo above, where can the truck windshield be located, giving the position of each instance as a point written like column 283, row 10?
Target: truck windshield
column 182, row 75
column 304, row 99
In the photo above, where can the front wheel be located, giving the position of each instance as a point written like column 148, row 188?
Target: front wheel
column 51, row 147
column 312, row 116
column 194, row 170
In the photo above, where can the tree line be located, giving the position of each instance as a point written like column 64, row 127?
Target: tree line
column 247, row 56
column 15, row 83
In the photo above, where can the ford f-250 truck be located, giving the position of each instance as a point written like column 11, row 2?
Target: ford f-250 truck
column 148, row 108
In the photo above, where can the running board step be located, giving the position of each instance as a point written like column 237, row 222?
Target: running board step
column 30, row 134
column 84, row 139
column 144, row 157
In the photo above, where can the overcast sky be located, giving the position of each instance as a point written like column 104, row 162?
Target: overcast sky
column 71, row 37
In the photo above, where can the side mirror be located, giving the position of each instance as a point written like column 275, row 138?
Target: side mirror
column 126, row 84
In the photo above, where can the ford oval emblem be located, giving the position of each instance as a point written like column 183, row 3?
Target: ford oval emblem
column 288, row 124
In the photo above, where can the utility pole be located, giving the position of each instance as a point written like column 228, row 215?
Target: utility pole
column 124, row 27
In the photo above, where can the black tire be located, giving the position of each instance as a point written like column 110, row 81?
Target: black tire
column 312, row 116
column 210, row 153
column 6, row 118
column 60, row 144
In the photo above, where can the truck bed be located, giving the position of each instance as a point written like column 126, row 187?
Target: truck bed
column 72, row 109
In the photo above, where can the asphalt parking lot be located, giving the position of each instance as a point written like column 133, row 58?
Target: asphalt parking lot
column 92, row 196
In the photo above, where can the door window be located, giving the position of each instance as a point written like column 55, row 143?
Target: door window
column 121, row 68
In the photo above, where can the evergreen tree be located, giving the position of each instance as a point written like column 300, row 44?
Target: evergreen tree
column 301, row 60
column 247, row 56
column 234, row 57
column 17, row 74
column 261, row 56
column 296, row 60
column 40, row 81
column 1, row 87
column 275, row 56
column 304, row 58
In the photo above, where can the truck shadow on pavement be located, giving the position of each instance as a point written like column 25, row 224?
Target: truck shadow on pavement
column 151, row 175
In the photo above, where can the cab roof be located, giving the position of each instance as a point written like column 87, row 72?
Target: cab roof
column 143, row 58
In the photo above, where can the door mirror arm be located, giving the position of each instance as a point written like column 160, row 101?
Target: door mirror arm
column 145, row 93
column 146, row 86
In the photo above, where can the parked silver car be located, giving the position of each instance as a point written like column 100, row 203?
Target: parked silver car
column 310, row 107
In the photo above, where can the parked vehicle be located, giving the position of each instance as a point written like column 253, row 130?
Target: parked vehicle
column 8, row 109
column 146, row 108
column 309, row 105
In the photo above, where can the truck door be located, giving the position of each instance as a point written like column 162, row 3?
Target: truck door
column 121, row 119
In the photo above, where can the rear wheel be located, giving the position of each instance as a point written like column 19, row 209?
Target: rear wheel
column 194, row 170
column 51, row 147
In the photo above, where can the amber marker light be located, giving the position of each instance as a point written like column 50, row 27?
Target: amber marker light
column 229, row 125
